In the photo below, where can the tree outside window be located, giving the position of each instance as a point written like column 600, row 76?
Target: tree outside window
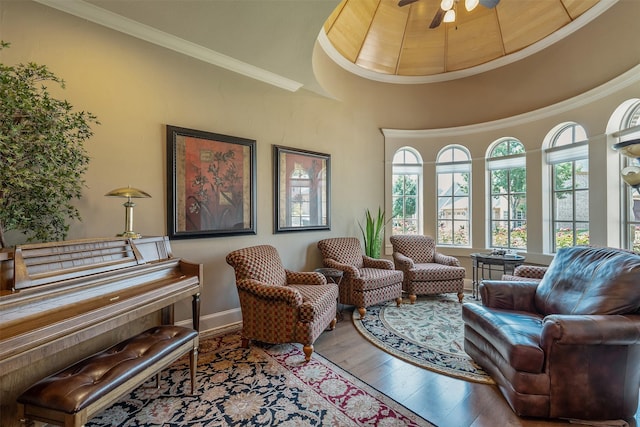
column 508, row 186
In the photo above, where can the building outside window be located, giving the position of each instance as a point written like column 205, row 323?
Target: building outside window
column 406, row 190
column 568, row 157
column 453, row 179
column 506, row 165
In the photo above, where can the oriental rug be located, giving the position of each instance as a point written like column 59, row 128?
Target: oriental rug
column 429, row 333
column 263, row 385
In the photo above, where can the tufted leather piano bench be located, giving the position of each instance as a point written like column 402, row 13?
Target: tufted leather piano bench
column 72, row 396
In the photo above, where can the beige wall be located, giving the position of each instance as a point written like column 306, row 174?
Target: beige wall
column 136, row 88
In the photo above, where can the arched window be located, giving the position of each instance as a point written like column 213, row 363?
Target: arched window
column 568, row 157
column 627, row 120
column 453, row 179
column 506, row 164
column 406, row 190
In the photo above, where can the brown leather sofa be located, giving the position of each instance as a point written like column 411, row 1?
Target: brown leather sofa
column 568, row 346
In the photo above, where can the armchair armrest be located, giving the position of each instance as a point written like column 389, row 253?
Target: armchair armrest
column 509, row 295
column 600, row 329
column 443, row 259
column 402, row 261
column 305, row 278
column 348, row 270
column 270, row 292
column 384, row 264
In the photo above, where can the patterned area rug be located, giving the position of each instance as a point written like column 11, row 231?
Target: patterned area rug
column 429, row 333
column 258, row 386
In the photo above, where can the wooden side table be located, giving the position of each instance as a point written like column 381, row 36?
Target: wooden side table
column 333, row 275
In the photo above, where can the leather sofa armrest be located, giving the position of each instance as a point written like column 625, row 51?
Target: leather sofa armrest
column 509, row 295
column 305, row 278
column 402, row 261
column 348, row 270
column 266, row 292
column 384, row 264
column 443, row 259
column 590, row 330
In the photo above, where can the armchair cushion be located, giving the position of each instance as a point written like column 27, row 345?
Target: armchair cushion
column 514, row 334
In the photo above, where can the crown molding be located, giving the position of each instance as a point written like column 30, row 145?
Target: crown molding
column 563, row 32
column 624, row 80
column 149, row 34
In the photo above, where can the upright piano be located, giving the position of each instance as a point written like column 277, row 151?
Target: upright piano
column 54, row 296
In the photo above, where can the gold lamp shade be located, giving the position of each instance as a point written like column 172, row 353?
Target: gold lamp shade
column 631, row 175
column 128, row 193
column 629, row 148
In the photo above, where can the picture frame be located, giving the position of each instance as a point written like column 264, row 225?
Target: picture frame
column 302, row 190
column 211, row 184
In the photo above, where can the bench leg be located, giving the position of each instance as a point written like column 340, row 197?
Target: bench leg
column 193, row 365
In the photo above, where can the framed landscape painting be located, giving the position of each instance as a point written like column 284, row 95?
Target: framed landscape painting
column 211, row 189
column 302, row 188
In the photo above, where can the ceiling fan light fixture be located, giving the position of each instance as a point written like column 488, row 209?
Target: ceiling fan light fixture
column 450, row 16
column 446, row 4
column 471, row 4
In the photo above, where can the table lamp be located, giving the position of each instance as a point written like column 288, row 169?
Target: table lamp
column 128, row 193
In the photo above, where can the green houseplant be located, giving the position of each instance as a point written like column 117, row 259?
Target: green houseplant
column 42, row 156
column 372, row 233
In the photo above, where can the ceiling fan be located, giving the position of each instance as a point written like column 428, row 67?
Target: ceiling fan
column 446, row 10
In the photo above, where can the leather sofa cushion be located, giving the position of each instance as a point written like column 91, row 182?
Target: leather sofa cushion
column 590, row 280
column 513, row 334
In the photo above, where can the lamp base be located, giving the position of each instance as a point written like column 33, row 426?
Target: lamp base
column 130, row 235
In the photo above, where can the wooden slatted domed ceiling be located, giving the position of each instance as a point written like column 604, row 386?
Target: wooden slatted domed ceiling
column 382, row 37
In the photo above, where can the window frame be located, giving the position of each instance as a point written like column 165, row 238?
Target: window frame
column 507, row 162
column 413, row 169
column 630, row 129
column 571, row 152
column 453, row 168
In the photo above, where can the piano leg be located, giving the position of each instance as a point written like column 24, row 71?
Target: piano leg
column 195, row 307
column 167, row 315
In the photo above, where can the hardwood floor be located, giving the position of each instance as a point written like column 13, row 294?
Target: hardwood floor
column 444, row 401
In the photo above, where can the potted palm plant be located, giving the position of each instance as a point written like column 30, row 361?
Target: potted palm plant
column 373, row 232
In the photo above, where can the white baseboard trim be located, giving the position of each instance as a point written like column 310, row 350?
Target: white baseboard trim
column 217, row 322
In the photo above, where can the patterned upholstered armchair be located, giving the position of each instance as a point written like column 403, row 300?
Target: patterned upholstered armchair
column 278, row 305
column 367, row 281
column 527, row 273
column 426, row 271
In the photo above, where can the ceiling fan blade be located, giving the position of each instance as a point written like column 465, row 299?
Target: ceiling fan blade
column 489, row 4
column 406, row 2
column 437, row 19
